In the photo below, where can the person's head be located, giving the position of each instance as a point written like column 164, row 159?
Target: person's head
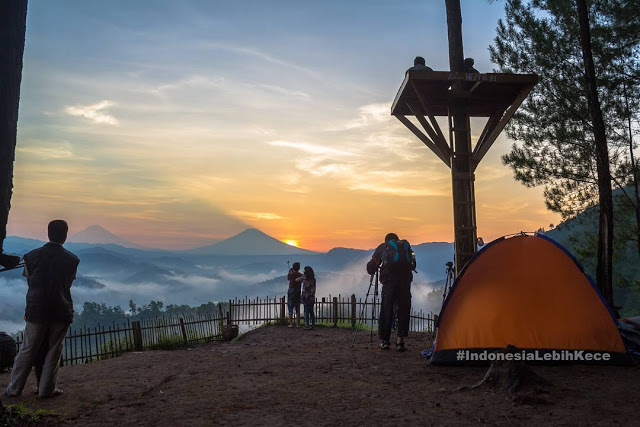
column 308, row 273
column 419, row 61
column 391, row 236
column 296, row 266
column 468, row 62
column 58, row 230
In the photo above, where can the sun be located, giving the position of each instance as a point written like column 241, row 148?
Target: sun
column 292, row 243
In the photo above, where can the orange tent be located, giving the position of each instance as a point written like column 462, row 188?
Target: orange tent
column 529, row 292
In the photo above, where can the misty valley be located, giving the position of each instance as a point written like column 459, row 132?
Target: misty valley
column 255, row 265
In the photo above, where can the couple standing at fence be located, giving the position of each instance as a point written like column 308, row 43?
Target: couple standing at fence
column 50, row 270
column 306, row 295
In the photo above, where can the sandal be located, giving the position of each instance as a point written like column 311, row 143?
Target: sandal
column 384, row 345
column 400, row 346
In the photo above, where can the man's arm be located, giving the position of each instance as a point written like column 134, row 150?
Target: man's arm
column 375, row 261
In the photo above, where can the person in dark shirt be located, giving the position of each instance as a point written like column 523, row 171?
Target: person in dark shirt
column 50, row 270
column 419, row 64
column 396, row 291
column 293, row 294
column 468, row 66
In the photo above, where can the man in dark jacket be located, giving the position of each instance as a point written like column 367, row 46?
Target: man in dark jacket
column 293, row 294
column 50, row 271
column 396, row 278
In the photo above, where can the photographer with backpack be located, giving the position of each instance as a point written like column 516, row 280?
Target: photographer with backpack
column 396, row 261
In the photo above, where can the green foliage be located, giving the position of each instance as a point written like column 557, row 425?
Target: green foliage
column 557, row 148
column 579, row 236
column 18, row 414
column 94, row 314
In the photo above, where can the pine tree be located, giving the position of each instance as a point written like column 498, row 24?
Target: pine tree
column 553, row 126
column 572, row 127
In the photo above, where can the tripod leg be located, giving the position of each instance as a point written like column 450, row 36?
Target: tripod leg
column 362, row 311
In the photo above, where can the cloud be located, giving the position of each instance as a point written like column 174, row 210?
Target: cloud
column 368, row 115
column 281, row 90
column 53, row 150
column 194, row 81
column 264, row 56
column 396, row 191
column 311, row 148
column 257, row 215
column 405, row 218
column 93, row 112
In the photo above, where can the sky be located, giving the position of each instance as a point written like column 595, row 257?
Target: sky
column 174, row 124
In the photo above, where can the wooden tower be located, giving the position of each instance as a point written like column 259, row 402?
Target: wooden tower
column 458, row 96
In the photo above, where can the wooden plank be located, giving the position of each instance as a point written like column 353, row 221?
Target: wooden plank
column 482, row 149
column 417, row 132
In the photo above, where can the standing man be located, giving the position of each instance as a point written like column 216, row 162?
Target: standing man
column 293, row 294
column 396, row 261
column 50, row 271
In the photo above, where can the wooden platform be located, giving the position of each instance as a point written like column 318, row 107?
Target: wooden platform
column 487, row 92
column 426, row 95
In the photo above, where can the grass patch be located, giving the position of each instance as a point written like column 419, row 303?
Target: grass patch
column 344, row 325
column 19, row 415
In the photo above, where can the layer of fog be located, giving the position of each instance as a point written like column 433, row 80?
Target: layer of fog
column 204, row 285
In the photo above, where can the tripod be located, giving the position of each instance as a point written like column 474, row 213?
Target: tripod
column 372, row 279
column 449, row 282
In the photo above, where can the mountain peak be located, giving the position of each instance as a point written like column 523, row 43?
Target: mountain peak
column 96, row 234
column 252, row 242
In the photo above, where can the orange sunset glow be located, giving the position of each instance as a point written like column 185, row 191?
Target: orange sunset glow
column 173, row 147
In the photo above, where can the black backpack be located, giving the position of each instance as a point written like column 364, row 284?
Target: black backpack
column 398, row 257
column 7, row 351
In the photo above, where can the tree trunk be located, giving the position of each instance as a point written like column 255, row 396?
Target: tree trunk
column 13, row 15
column 634, row 171
column 604, row 271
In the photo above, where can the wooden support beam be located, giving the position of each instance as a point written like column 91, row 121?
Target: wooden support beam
column 490, row 126
column 481, row 149
column 417, row 132
column 441, row 144
column 440, row 140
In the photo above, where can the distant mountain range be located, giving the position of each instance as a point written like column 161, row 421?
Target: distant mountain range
column 95, row 234
column 250, row 263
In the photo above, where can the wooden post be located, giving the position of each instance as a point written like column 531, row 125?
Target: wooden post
column 464, row 209
column 229, row 314
column 184, row 332
column 335, row 312
column 353, row 310
column 282, row 311
column 137, row 336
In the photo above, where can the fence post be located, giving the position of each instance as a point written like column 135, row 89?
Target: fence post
column 353, row 310
column 335, row 312
column 184, row 332
column 229, row 314
column 137, row 336
column 282, row 311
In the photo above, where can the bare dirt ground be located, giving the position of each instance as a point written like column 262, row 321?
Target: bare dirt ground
column 281, row 376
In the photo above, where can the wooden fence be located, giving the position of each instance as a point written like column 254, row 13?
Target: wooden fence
column 103, row 342
column 92, row 344
column 332, row 310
